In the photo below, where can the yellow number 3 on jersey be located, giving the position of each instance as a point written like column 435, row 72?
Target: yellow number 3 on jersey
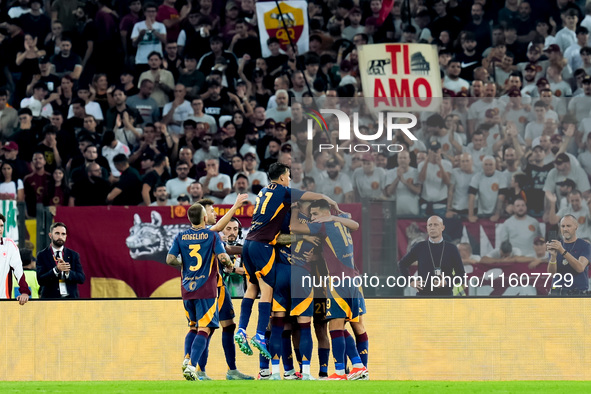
column 195, row 253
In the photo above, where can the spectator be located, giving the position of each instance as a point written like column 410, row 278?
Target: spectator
column 128, row 189
column 37, row 103
column 243, row 42
column 457, row 199
column 336, row 184
column 452, row 80
column 59, row 192
column 195, row 192
column 229, row 149
column 369, row 181
column 521, row 229
column 161, row 196
column 163, row 79
column 490, row 187
column 200, row 116
column 158, row 175
column 566, row 36
column 465, row 250
column 8, row 116
column 282, row 111
column 36, row 185
column 111, row 148
column 208, row 61
column 27, row 135
column 565, row 170
column 573, row 53
column 20, row 166
column 179, row 185
column 435, row 176
column 48, row 146
column 148, row 36
column 578, row 208
column 66, row 62
column 505, row 253
column 63, row 10
column 177, row 111
column 193, row 39
column 216, row 186
column 191, row 78
column 172, row 19
column 206, row 151
column 11, row 187
column 126, row 28
column 172, row 61
column 241, row 186
column 144, row 104
column 403, row 182
column 90, row 107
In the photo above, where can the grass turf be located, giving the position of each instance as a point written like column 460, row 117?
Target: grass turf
column 298, row 386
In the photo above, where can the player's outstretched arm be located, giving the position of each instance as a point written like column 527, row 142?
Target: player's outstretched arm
column 295, row 225
column 173, row 261
column 349, row 223
column 233, row 249
column 225, row 260
column 223, row 222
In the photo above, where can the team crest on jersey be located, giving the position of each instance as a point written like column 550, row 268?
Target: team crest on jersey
column 151, row 241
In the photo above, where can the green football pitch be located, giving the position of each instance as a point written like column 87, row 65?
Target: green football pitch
column 299, row 387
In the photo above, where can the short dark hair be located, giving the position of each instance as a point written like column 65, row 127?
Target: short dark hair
column 159, row 159
column 241, row 176
column 154, row 53
column 196, row 213
column 276, row 170
column 206, row 201
column 3, row 218
column 320, row 204
column 120, row 159
column 58, row 224
column 273, row 40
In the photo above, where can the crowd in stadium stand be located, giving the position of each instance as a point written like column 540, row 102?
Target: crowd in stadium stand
column 162, row 103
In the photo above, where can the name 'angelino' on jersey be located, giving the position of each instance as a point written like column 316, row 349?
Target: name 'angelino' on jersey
column 195, row 237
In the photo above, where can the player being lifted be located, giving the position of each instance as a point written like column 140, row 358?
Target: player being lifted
column 259, row 252
column 199, row 248
column 345, row 302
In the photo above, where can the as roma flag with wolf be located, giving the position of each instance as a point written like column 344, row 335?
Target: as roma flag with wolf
column 123, row 249
column 289, row 20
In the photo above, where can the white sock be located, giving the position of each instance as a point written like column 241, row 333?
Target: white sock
column 306, row 369
column 340, row 371
column 358, row 365
column 275, row 367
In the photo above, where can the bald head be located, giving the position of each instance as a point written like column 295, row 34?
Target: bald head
column 435, row 228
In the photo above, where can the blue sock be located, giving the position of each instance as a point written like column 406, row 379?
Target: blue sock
column 363, row 347
column 287, row 354
column 228, row 345
column 298, row 357
column 189, row 342
column 351, row 349
column 245, row 311
column 263, row 361
column 323, row 355
column 264, row 316
column 205, row 354
column 274, row 345
column 198, row 347
column 306, row 344
column 338, row 350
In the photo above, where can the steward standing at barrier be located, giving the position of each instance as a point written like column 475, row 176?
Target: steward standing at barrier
column 439, row 262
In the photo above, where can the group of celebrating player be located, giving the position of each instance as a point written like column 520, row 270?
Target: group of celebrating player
column 293, row 235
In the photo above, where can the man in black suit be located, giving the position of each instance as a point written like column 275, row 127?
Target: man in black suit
column 58, row 268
